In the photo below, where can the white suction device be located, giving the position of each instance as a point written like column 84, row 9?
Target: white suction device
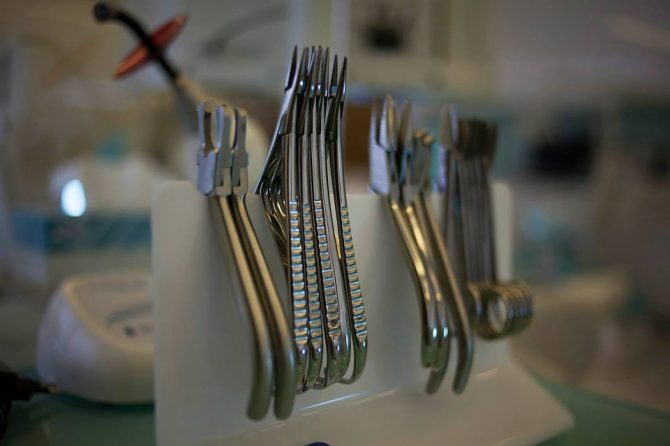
column 96, row 338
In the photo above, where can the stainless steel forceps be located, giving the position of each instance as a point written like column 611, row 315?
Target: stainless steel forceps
column 355, row 310
column 222, row 176
column 329, row 274
column 389, row 172
column 400, row 168
column 497, row 308
column 279, row 189
column 437, row 251
column 302, row 185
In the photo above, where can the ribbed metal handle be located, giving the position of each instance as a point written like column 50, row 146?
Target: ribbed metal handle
column 313, row 298
column 298, row 292
column 357, row 319
column 263, row 371
column 358, row 308
column 330, row 298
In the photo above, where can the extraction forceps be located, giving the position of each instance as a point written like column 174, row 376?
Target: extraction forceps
column 498, row 308
column 279, row 189
column 339, row 281
column 299, row 185
column 507, row 307
column 284, row 354
column 414, row 170
column 355, row 310
column 387, row 172
column 437, row 251
column 328, row 274
column 222, row 176
column 304, row 132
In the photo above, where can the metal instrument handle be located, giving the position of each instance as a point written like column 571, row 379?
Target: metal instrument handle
column 454, row 295
column 330, row 302
column 356, row 308
column 284, row 353
column 313, row 299
column 296, row 277
column 439, row 366
column 263, row 369
column 429, row 327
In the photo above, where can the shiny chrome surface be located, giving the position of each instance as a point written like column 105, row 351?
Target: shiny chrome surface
column 400, row 166
column 498, row 308
column 222, row 164
column 350, row 283
column 214, row 179
column 387, row 145
column 303, row 190
column 284, row 356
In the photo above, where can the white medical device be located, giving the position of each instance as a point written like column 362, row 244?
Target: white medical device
column 96, row 338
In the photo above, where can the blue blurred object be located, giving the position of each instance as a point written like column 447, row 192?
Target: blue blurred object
column 56, row 233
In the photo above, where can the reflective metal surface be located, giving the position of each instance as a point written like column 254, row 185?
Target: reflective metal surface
column 303, row 190
column 222, row 169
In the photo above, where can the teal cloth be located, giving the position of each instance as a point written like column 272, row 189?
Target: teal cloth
column 600, row 420
column 69, row 421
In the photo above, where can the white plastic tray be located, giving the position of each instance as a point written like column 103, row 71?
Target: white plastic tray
column 203, row 369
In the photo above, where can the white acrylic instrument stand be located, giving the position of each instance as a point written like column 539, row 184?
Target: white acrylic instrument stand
column 202, row 341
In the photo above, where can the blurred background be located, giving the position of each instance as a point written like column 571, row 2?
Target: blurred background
column 580, row 90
